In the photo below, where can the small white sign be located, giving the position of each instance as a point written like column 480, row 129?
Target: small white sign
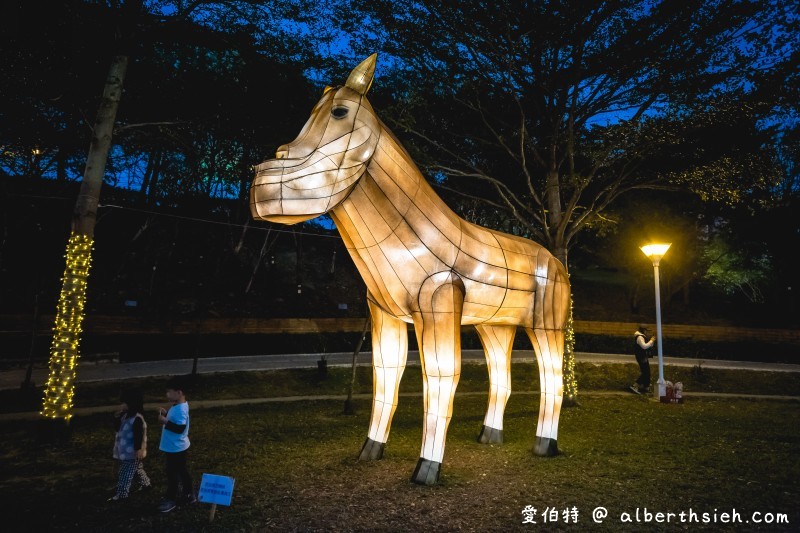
column 216, row 489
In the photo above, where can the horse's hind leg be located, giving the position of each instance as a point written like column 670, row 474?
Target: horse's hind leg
column 548, row 344
column 389, row 353
column 497, row 342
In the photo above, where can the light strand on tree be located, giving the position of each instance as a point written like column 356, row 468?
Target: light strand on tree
column 570, row 380
column 60, row 385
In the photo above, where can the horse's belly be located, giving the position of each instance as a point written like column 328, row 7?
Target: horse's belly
column 497, row 305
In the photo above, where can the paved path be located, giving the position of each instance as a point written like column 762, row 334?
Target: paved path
column 101, row 371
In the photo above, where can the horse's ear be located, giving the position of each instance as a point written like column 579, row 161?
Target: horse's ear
column 326, row 89
column 361, row 78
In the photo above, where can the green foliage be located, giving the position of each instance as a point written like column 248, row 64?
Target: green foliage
column 731, row 270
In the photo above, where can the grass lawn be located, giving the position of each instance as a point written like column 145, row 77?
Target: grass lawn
column 296, row 470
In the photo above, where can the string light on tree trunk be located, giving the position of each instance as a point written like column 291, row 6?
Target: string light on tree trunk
column 60, row 386
column 570, row 380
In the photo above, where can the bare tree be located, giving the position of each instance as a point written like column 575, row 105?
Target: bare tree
column 550, row 111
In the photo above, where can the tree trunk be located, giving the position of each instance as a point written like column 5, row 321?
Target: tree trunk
column 349, row 408
column 150, row 176
column 568, row 369
column 570, row 381
column 240, row 244
column 142, row 196
column 60, row 386
column 553, row 198
column 61, row 164
column 261, row 254
column 152, row 188
column 85, row 214
column 633, row 299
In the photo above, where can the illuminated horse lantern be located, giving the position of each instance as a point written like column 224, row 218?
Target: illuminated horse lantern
column 423, row 265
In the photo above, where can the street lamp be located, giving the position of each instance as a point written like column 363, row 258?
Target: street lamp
column 655, row 252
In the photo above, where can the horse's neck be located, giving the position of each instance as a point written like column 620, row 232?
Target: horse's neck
column 393, row 170
column 392, row 206
column 392, row 161
column 384, row 192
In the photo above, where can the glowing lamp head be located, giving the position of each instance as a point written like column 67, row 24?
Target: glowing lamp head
column 655, row 251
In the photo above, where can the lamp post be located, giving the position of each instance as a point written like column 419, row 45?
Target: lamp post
column 655, row 252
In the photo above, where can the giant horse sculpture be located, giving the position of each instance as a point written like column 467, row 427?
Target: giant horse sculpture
column 423, row 265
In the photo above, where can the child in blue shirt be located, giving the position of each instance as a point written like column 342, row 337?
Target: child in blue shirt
column 175, row 445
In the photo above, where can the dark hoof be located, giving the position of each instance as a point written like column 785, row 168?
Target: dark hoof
column 427, row 472
column 545, row 447
column 372, row 450
column 490, row 436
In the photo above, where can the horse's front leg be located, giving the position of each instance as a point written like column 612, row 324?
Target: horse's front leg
column 389, row 353
column 438, row 330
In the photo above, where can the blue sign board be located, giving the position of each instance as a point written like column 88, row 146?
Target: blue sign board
column 216, row 489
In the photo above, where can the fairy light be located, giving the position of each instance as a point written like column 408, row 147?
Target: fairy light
column 60, row 385
column 570, row 380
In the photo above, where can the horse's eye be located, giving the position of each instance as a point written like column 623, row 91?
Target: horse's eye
column 339, row 112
